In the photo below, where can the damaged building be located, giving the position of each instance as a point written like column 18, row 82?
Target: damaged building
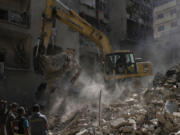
column 20, row 28
column 96, row 13
column 125, row 22
column 133, row 18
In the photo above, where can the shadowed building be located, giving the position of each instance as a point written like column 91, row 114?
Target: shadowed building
column 20, row 28
column 125, row 22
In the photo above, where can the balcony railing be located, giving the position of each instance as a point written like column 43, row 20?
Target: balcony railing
column 15, row 18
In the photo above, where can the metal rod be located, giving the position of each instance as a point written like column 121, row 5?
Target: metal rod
column 100, row 93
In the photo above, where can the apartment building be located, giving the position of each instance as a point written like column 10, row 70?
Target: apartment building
column 125, row 22
column 165, row 18
column 131, row 22
column 20, row 28
column 166, row 26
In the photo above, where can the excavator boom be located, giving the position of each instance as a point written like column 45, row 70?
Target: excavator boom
column 73, row 20
column 116, row 65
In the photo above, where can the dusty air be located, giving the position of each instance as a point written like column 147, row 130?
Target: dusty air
column 89, row 67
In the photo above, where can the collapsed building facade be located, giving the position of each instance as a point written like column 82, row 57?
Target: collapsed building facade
column 124, row 22
column 20, row 28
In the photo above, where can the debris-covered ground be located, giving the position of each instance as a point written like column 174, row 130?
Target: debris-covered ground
column 153, row 111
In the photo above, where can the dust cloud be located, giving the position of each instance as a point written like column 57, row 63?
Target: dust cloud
column 86, row 93
column 163, row 53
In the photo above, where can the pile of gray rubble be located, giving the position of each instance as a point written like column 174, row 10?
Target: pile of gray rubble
column 153, row 111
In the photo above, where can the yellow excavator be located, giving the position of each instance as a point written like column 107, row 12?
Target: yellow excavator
column 115, row 65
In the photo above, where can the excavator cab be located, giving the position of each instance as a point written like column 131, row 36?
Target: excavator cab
column 122, row 64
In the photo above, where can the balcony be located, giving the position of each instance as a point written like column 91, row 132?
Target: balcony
column 15, row 12
column 16, row 48
column 15, row 18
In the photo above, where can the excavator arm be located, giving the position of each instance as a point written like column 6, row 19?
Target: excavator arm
column 111, row 63
column 57, row 10
column 74, row 21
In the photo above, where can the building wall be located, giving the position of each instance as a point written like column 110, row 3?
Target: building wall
column 20, row 84
column 88, row 50
column 165, row 19
column 130, row 23
column 166, row 26
column 117, row 21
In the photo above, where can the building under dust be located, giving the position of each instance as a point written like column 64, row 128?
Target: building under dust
column 125, row 22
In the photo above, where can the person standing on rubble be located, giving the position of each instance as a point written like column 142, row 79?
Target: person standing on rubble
column 38, row 122
column 21, row 124
column 11, row 118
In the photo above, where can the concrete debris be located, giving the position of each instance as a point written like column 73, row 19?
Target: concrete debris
column 159, row 79
column 170, row 107
column 153, row 111
column 118, row 123
column 61, row 72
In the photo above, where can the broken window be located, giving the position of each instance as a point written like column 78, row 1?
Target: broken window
column 15, row 17
column 16, row 46
column 18, row 18
column 139, row 11
column 15, row 12
column 135, row 31
column 161, row 28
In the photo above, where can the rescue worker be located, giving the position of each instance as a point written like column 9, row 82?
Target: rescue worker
column 21, row 124
column 11, row 118
column 38, row 122
column 3, row 117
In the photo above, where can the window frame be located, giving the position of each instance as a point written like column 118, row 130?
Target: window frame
column 160, row 16
column 161, row 28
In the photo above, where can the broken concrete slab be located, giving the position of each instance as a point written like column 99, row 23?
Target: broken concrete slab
column 170, row 106
column 127, row 129
column 118, row 123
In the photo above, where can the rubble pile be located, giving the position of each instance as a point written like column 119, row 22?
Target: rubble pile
column 153, row 111
column 61, row 71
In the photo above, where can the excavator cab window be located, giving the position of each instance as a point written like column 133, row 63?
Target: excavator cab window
column 120, row 63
